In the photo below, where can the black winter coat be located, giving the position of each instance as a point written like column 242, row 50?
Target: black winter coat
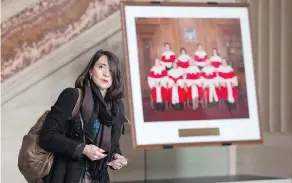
column 64, row 137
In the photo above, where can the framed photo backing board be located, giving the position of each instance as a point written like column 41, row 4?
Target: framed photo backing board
column 190, row 74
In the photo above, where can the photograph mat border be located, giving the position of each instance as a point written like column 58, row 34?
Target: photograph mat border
column 230, row 129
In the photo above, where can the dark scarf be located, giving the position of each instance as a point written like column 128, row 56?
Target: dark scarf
column 95, row 107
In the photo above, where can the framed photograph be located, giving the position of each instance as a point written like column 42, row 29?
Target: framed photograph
column 190, row 74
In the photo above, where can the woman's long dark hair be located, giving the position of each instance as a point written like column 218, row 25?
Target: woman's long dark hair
column 116, row 90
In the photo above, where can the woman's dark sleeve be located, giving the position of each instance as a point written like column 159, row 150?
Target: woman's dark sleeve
column 117, row 131
column 53, row 135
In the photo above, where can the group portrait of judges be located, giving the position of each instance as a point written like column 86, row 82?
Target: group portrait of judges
column 186, row 80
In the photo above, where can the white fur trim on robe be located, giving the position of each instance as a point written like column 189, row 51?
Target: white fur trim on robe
column 215, row 58
column 211, row 83
column 193, row 70
column 158, row 94
column 175, row 73
column 184, row 58
column 209, row 71
column 157, row 69
column 195, row 92
column 152, row 82
column 167, row 54
column 200, row 54
column 227, row 69
column 228, row 81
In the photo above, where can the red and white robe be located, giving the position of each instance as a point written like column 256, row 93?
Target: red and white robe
column 157, row 81
column 216, row 61
column 200, row 58
column 184, row 62
column 167, row 58
column 176, row 86
column 210, row 82
column 194, row 83
column 229, row 83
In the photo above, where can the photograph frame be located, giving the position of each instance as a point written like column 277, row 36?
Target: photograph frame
column 129, row 79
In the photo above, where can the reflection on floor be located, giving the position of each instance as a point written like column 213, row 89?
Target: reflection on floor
column 234, row 178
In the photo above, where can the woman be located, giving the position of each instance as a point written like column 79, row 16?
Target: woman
column 228, row 82
column 87, row 144
column 210, row 82
column 200, row 57
column 157, row 81
column 193, row 80
column 215, row 59
column 176, row 87
column 183, row 60
column 167, row 56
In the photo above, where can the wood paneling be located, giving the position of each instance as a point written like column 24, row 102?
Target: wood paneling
column 211, row 33
column 172, row 31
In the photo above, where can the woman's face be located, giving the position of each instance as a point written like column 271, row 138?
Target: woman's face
column 200, row 48
column 101, row 74
column 214, row 52
column 166, row 47
column 183, row 51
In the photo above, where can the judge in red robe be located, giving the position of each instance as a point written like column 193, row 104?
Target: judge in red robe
column 157, row 81
column 215, row 59
column 200, row 57
column 194, row 85
column 228, row 82
column 210, row 82
column 183, row 61
column 167, row 57
column 176, row 87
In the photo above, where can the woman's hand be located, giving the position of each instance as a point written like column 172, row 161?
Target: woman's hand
column 118, row 161
column 93, row 152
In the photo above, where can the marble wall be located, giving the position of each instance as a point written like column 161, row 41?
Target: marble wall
column 37, row 31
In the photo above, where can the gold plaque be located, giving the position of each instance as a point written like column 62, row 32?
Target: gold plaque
column 198, row 132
